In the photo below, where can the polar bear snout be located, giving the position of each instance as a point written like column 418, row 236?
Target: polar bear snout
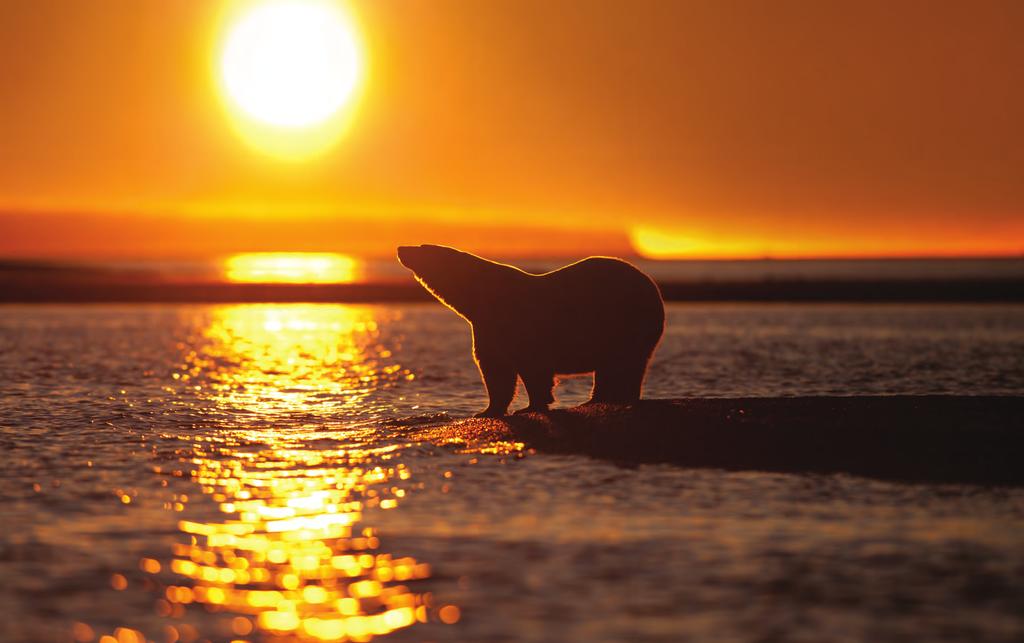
column 426, row 258
column 407, row 256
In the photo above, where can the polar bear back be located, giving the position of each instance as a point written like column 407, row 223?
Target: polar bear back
column 585, row 314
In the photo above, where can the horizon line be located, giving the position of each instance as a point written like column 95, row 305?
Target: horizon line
column 75, row 259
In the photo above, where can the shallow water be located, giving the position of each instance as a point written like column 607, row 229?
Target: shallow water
column 245, row 473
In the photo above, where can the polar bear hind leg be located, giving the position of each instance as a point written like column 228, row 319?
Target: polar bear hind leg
column 619, row 382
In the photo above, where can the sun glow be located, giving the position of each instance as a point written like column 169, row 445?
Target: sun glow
column 667, row 243
column 291, row 268
column 288, row 69
column 659, row 243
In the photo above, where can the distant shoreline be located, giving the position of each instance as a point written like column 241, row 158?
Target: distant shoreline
column 39, row 287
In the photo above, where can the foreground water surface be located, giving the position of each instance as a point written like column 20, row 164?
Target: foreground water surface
column 191, row 473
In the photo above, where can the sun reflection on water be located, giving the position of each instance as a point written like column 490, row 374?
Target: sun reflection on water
column 318, row 359
column 282, row 550
column 292, row 268
column 290, row 551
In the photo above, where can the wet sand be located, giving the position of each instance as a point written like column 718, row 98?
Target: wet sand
column 953, row 439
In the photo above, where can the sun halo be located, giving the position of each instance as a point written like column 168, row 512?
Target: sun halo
column 288, row 72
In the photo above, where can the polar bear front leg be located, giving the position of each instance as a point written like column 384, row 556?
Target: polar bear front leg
column 500, row 380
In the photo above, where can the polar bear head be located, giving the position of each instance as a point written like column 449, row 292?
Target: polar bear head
column 466, row 283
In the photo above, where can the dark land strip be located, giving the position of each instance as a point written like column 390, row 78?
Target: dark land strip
column 43, row 287
column 945, row 439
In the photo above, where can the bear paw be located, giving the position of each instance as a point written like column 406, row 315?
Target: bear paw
column 531, row 409
column 490, row 413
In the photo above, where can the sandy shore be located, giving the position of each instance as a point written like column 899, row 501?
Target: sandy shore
column 913, row 438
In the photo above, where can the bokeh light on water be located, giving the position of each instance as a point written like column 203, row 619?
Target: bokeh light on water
column 288, row 553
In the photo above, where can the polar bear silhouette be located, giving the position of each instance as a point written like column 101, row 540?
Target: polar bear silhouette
column 599, row 315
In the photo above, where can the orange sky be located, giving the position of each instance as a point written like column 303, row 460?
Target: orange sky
column 718, row 129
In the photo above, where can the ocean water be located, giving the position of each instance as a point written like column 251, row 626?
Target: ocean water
column 221, row 473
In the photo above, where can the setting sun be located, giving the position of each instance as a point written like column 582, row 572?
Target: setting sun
column 287, row 69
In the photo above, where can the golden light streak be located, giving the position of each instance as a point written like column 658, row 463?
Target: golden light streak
column 661, row 243
column 292, row 268
column 717, row 242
